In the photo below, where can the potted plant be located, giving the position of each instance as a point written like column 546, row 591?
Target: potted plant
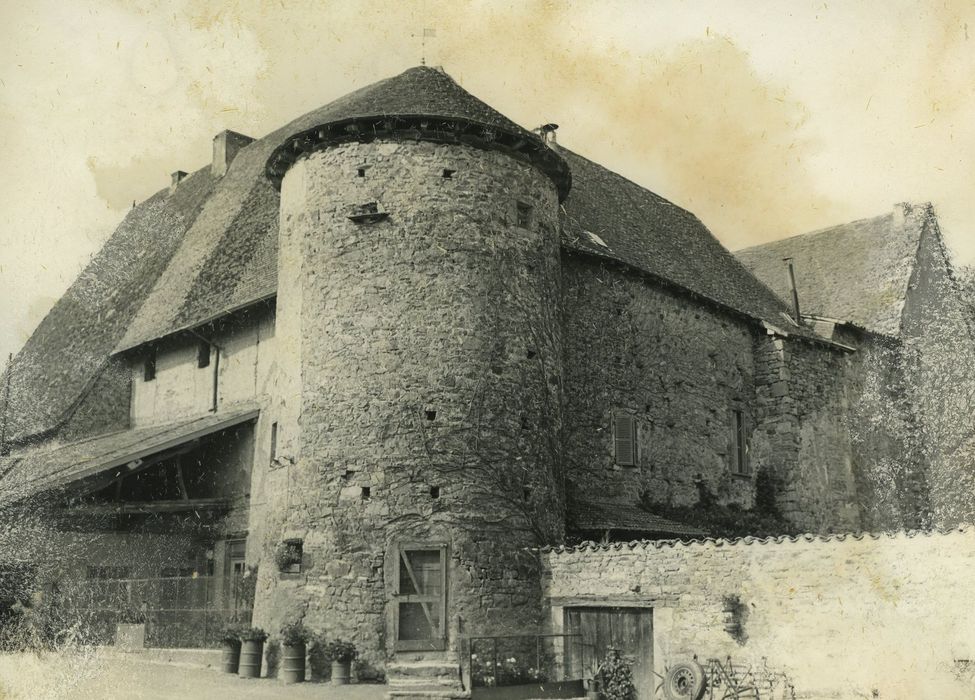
column 251, row 651
column 341, row 654
column 230, row 643
column 317, row 662
column 287, row 556
column 614, row 679
column 294, row 638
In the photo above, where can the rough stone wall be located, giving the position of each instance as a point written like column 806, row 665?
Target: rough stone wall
column 939, row 343
column 804, row 405
column 837, row 615
column 424, row 348
column 891, row 488
column 677, row 366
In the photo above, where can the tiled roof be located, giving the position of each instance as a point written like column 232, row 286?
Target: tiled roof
column 591, row 515
column 857, row 272
column 612, row 217
column 711, row 542
column 45, row 468
column 181, row 260
column 71, row 345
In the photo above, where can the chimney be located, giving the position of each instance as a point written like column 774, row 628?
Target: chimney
column 794, row 289
column 547, row 132
column 226, row 145
column 178, row 177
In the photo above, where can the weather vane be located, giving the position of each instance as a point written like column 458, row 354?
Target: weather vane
column 427, row 32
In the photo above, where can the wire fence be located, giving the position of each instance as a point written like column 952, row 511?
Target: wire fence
column 178, row 612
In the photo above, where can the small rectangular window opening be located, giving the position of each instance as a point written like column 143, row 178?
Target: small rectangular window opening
column 431, row 415
column 625, row 440
column 274, row 440
column 448, row 173
column 366, row 493
column 203, row 354
column 524, row 214
column 149, row 366
column 361, row 172
column 740, row 454
column 434, row 492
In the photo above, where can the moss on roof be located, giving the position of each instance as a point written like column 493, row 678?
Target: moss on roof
column 71, row 346
column 857, row 272
column 183, row 259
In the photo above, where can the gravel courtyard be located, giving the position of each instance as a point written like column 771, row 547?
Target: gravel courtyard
column 106, row 675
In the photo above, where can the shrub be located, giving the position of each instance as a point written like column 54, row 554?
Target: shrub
column 287, row 555
column 615, row 678
column 339, row 650
column 231, row 634
column 253, row 634
column 295, row 634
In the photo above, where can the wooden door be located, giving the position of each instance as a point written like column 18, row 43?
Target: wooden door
column 628, row 630
column 421, row 598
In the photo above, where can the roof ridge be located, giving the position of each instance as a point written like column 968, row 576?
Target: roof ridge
column 748, row 540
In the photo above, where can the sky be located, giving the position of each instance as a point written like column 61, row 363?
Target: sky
column 766, row 119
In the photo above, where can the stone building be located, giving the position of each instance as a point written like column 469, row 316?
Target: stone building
column 372, row 361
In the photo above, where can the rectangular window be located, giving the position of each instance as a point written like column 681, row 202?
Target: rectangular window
column 274, row 440
column 524, row 215
column 739, row 453
column 625, row 440
column 203, row 354
column 149, row 367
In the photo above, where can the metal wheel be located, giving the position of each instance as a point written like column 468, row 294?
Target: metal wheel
column 684, row 681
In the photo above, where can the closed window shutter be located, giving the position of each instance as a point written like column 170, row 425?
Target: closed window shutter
column 624, row 433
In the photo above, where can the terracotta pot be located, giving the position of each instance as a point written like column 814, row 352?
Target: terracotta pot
column 293, row 662
column 251, row 655
column 230, row 660
column 341, row 672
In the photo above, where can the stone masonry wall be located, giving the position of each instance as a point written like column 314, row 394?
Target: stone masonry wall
column 676, row 365
column 844, row 616
column 804, row 403
column 424, row 348
column 939, row 346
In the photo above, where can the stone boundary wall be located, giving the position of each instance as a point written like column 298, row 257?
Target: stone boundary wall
column 845, row 616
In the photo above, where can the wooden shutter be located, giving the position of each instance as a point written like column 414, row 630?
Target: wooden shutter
column 624, row 439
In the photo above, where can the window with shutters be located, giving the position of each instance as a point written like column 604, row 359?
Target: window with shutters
column 625, row 440
column 739, row 443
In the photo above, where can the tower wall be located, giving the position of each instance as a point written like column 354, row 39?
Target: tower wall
column 424, row 346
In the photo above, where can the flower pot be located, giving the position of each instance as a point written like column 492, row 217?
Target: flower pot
column 251, row 653
column 341, row 672
column 293, row 662
column 230, row 659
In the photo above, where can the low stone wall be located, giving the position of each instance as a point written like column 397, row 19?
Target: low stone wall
column 889, row 616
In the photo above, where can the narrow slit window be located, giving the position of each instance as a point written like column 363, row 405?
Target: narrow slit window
column 274, row 440
column 739, row 453
column 625, row 440
column 203, row 354
column 149, row 365
column 524, row 214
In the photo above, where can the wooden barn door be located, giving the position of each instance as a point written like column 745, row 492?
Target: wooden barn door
column 629, row 630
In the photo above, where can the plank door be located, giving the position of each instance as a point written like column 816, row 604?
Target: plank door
column 421, row 598
column 629, row 630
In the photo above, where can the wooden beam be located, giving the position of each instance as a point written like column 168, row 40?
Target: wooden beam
column 179, row 478
column 151, row 506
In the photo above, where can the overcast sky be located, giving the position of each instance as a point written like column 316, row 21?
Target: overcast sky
column 765, row 119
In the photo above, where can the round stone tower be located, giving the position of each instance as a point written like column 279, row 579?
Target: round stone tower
column 418, row 407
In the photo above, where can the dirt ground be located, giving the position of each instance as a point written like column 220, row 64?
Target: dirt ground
column 100, row 675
